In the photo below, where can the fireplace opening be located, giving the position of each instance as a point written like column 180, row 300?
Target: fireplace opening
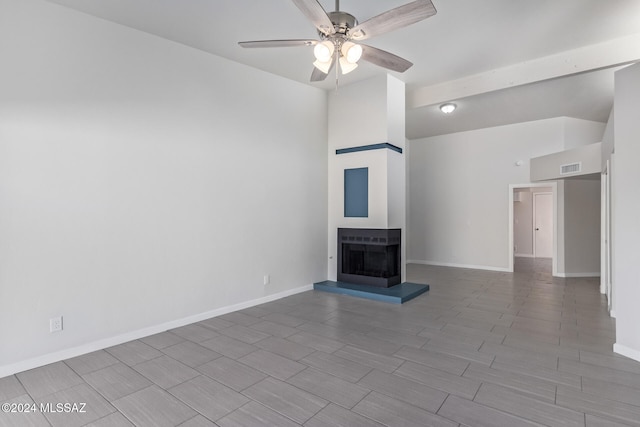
column 369, row 256
column 370, row 260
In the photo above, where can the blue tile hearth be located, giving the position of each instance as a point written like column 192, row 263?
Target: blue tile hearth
column 397, row 294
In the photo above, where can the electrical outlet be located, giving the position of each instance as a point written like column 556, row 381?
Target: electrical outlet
column 55, row 324
column 267, row 279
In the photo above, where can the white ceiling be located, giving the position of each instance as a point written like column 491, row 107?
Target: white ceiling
column 501, row 61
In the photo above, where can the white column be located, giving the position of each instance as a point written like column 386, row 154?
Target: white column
column 361, row 114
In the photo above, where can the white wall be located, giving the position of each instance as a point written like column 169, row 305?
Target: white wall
column 396, row 164
column 578, row 133
column 143, row 183
column 582, row 227
column 548, row 167
column 625, row 177
column 607, row 139
column 358, row 114
column 459, row 190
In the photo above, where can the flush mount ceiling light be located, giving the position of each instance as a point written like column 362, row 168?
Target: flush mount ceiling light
column 448, row 108
column 337, row 31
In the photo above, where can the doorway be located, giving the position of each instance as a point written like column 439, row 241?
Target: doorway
column 533, row 206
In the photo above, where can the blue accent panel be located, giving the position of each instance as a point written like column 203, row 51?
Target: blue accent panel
column 370, row 147
column 397, row 294
column 356, row 193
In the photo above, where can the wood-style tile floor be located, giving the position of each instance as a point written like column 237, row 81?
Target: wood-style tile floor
column 479, row 349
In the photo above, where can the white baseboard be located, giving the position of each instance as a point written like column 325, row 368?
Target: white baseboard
column 569, row 275
column 68, row 353
column 448, row 264
column 626, row 351
column 612, row 313
column 524, row 255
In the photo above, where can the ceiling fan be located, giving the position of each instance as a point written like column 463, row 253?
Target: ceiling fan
column 340, row 34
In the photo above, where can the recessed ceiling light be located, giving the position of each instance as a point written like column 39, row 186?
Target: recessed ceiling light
column 448, row 108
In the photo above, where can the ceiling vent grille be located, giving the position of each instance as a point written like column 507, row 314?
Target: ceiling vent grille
column 570, row 168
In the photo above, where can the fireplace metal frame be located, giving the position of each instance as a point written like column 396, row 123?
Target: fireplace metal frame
column 374, row 237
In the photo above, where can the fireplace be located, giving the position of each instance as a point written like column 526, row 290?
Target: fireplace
column 369, row 256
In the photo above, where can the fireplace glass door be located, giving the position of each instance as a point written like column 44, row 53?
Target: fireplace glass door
column 370, row 260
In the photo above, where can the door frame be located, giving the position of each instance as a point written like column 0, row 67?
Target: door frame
column 554, row 191
column 606, row 283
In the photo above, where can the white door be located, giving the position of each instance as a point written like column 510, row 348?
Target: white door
column 543, row 225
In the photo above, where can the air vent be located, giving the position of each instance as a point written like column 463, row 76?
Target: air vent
column 570, row 168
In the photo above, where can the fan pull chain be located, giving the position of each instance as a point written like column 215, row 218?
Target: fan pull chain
column 337, row 61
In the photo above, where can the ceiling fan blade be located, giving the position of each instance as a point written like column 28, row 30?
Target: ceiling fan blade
column 318, row 76
column 316, row 14
column 393, row 19
column 278, row 43
column 385, row 59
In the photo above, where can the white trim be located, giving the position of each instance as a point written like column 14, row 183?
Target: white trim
column 524, row 255
column 68, row 353
column 612, row 313
column 606, row 251
column 569, row 275
column 451, row 264
column 603, row 230
column 626, row 351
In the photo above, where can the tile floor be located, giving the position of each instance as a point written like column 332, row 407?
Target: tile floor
column 479, row 349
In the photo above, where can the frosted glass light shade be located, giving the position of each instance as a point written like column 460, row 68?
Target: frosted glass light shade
column 322, row 66
column 351, row 52
column 347, row 66
column 324, row 51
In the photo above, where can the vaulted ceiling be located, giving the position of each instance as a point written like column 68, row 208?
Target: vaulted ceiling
column 500, row 61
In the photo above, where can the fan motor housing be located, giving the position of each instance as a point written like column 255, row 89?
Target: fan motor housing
column 342, row 21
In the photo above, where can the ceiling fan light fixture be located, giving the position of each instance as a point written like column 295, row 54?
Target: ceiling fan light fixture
column 324, row 51
column 340, row 32
column 323, row 66
column 351, row 52
column 345, row 66
column 448, row 108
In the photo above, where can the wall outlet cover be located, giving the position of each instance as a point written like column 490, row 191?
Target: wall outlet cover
column 55, row 324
